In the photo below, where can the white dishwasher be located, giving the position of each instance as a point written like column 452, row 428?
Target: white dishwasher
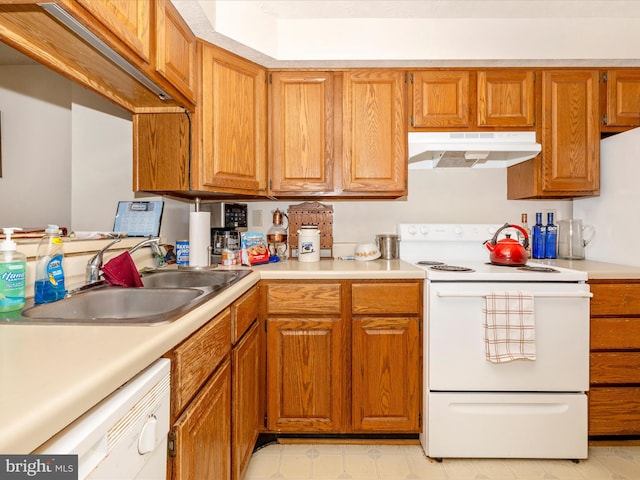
column 124, row 436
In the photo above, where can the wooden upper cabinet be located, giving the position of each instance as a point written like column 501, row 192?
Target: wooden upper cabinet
column 129, row 20
column 622, row 98
column 175, row 48
column 506, row 98
column 570, row 132
column 161, row 143
column 374, row 132
column 302, row 139
column 569, row 165
column 441, row 99
column 232, row 123
column 470, row 99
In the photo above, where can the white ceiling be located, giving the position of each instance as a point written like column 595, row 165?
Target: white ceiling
column 310, row 9
column 334, row 17
column 290, row 33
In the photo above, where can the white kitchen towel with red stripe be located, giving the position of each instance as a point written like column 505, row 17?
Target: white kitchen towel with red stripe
column 509, row 327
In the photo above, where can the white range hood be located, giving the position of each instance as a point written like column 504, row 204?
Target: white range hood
column 471, row 149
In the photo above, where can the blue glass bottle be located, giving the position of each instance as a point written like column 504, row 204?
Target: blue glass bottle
column 539, row 233
column 551, row 238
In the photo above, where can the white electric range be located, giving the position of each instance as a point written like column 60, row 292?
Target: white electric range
column 472, row 407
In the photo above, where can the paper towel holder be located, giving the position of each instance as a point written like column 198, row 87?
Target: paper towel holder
column 199, row 237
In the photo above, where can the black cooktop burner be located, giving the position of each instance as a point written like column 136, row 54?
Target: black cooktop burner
column 429, row 262
column 451, row 268
column 530, row 268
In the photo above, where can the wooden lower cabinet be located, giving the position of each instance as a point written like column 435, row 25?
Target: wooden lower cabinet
column 385, row 391
column 614, row 411
column 202, row 432
column 200, row 436
column 216, row 403
column 246, row 410
column 305, row 374
column 343, row 357
column 386, row 356
column 614, row 396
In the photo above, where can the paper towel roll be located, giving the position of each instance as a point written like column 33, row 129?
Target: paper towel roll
column 199, row 238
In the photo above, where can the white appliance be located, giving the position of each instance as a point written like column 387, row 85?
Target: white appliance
column 124, row 436
column 471, row 149
column 613, row 212
column 476, row 408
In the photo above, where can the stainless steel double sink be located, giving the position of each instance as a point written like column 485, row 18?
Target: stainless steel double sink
column 165, row 297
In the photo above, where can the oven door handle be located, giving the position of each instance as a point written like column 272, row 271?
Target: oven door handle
column 538, row 294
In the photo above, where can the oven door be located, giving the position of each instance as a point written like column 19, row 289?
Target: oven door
column 455, row 339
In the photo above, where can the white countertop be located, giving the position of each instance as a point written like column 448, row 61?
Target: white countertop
column 339, row 269
column 597, row 270
column 52, row 374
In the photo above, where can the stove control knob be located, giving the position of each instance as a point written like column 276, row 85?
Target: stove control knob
column 424, row 230
column 458, row 230
column 412, row 230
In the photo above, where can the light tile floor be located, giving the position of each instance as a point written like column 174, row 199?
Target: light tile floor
column 402, row 462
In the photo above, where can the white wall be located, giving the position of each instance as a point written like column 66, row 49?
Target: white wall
column 67, row 156
column 614, row 213
column 35, row 114
column 435, row 196
column 88, row 144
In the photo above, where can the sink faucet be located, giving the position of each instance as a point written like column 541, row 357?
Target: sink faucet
column 95, row 264
column 154, row 244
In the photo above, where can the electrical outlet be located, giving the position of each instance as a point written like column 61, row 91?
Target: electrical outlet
column 257, row 218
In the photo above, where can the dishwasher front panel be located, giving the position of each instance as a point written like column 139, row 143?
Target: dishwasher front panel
column 125, row 435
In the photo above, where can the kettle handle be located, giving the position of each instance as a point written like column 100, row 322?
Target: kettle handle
column 525, row 242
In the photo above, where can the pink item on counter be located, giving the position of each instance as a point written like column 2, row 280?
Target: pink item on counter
column 122, row 271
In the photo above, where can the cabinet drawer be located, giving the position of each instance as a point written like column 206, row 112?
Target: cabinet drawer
column 615, row 299
column 614, row 411
column 243, row 313
column 385, row 298
column 615, row 333
column 195, row 359
column 615, row 367
column 300, row 299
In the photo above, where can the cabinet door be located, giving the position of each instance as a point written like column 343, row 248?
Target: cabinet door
column 506, row 98
column 570, row 132
column 386, row 366
column 203, row 432
column 302, row 137
column 175, row 48
column 128, row 20
column 232, row 129
column 246, row 401
column 161, row 152
column 440, row 99
column 623, row 98
column 244, row 312
column 614, row 411
column 195, row 359
column 306, row 373
column 374, row 132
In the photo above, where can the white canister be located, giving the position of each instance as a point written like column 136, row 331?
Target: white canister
column 309, row 243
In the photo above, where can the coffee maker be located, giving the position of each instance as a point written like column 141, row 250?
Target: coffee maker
column 228, row 220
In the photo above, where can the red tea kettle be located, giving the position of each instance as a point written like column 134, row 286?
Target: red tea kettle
column 508, row 251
